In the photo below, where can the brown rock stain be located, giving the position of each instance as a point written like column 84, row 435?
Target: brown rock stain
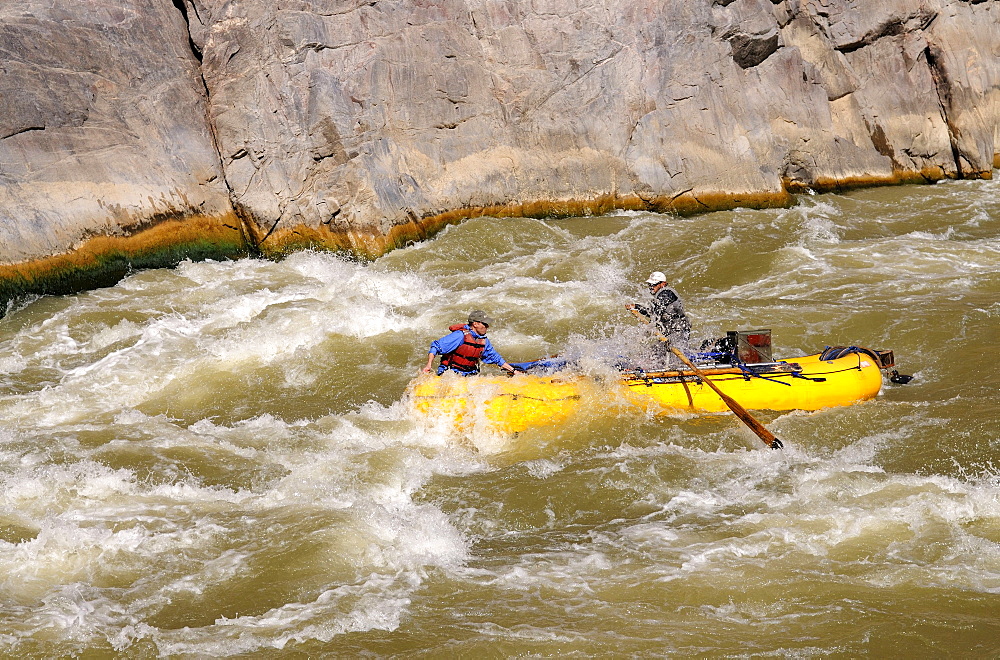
column 167, row 239
column 162, row 240
column 369, row 244
column 899, row 177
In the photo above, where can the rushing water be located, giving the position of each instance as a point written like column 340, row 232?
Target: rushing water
column 217, row 460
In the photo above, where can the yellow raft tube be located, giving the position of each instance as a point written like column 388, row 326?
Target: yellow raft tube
column 513, row 404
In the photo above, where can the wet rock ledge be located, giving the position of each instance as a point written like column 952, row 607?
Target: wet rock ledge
column 138, row 133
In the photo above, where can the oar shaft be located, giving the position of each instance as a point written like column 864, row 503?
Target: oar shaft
column 765, row 436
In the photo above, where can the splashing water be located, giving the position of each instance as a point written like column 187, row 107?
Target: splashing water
column 217, row 460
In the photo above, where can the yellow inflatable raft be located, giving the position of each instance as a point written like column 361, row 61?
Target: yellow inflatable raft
column 803, row 383
column 501, row 403
column 837, row 377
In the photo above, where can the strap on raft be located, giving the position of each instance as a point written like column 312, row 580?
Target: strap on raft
column 748, row 373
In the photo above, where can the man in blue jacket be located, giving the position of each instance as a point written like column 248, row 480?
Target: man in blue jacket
column 466, row 346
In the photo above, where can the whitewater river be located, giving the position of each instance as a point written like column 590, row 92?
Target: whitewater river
column 217, row 459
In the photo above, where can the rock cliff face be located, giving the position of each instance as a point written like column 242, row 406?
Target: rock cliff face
column 107, row 159
column 138, row 132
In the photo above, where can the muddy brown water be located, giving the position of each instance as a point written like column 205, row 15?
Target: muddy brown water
column 215, row 460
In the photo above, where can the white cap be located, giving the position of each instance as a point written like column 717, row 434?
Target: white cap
column 656, row 278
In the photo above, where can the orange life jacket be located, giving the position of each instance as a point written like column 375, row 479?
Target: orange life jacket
column 465, row 358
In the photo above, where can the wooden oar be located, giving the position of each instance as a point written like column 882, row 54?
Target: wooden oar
column 765, row 436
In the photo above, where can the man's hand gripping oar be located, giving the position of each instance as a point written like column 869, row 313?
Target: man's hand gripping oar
column 765, row 436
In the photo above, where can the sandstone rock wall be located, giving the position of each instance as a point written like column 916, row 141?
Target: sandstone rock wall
column 339, row 123
column 365, row 124
column 107, row 159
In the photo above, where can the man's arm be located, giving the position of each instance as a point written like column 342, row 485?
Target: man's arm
column 490, row 356
column 443, row 346
column 448, row 343
column 641, row 309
